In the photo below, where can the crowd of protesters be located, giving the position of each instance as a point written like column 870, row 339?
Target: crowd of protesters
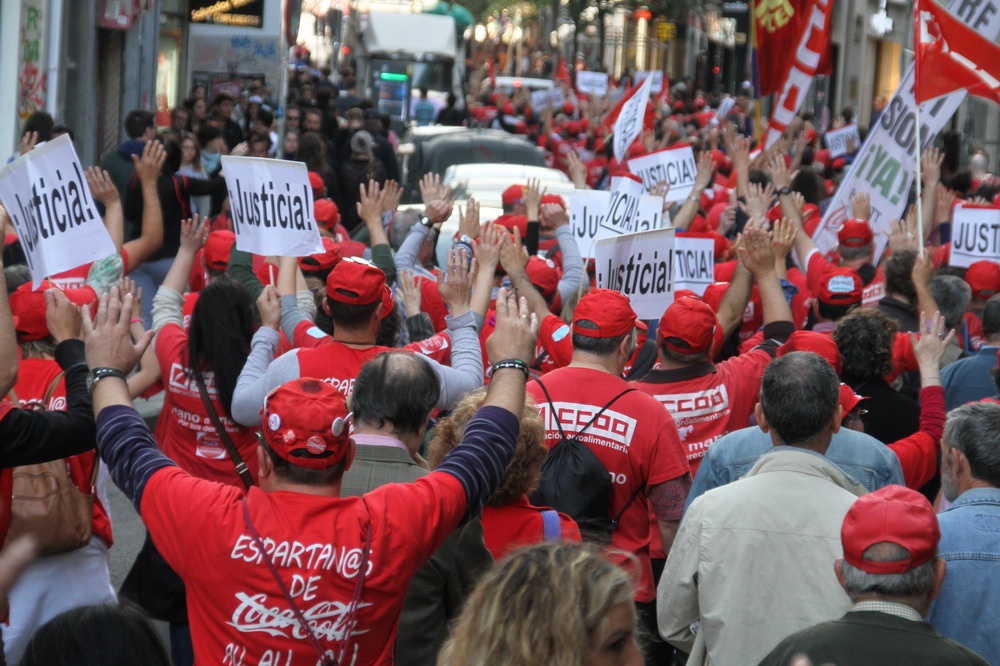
column 364, row 457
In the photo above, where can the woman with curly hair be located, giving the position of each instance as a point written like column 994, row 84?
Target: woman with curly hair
column 509, row 519
column 555, row 604
column 865, row 338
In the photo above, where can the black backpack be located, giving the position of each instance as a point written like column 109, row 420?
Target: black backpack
column 575, row 482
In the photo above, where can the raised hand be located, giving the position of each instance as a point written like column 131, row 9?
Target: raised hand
column 269, row 306
column 370, row 202
column 468, row 218
column 516, row 330
column 107, row 339
column 757, row 252
column 861, row 205
column 148, row 166
column 758, row 200
column 194, row 233
column 101, row 186
column 408, row 292
column 61, row 316
column 455, row 286
column 487, row 250
column 391, row 194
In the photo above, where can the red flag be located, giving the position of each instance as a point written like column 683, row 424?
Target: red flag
column 778, row 25
column 562, row 71
column 951, row 56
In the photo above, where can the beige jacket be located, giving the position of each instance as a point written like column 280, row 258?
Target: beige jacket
column 753, row 560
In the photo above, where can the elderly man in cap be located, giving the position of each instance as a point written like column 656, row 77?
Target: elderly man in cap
column 756, row 545
column 291, row 572
column 892, row 573
column 966, row 608
column 632, row 436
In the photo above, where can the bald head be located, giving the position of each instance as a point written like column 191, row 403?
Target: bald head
column 395, row 389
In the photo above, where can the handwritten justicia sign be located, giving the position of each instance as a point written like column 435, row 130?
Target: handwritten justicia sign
column 628, row 125
column 49, row 202
column 271, row 203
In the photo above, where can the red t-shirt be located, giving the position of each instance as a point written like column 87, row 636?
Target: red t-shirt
column 635, row 439
column 34, row 376
column 310, row 336
column 518, row 524
column 237, row 611
column 184, row 431
column 707, row 401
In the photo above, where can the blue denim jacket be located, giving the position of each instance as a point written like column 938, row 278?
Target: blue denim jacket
column 860, row 456
column 968, row 608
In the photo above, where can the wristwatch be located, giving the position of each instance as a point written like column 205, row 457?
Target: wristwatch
column 426, row 221
column 784, row 191
column 97, row 374
column 464, row 239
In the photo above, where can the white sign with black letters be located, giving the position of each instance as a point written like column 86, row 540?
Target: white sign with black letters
column 657, row 76
column 839, row 140
column 650, row 266
column 50, row 204
column 673, row 165
column 548, row 96
column 629, row 123
column 271, row 204
column 975, row 235
column 592, row 83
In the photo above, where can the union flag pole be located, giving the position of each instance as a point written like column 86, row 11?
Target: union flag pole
column 916, row 97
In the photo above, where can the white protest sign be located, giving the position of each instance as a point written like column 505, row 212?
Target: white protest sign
column 650, row 266
column 625, row 192
column 587, row 209
column 592, row 83
column 975, row 235
column 694, row 263
column 885, row 165
column 629, row 123
column 675, row 165
column 839, row 140
column 639, row 266
column 725, row 106
column 272, row 206
column 49, row 202
column 543, row 98
column 657, row 76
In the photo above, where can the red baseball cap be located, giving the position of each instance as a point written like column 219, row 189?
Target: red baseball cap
column 217, row 249
column 27, row 305
column 513, row 194
column 840, row 286
column 326, row 213
column 322, row 261
column 605, row 313
column 855, row 233
column 317, row 184
column 817, row 343
column 553, row 199
column 509, row 222
column 894, row 514
column 305, row 421
column 849, row 399
column 689, row 326
column 543, row 274
column 984, row 278
column 356, row 281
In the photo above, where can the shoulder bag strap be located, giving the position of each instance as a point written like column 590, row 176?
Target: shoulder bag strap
column 601, row 411
column 552, row 408
column 12, row 396
column 307, row 629
column 551, row 525
column 241, row 467
column 614, row 521
column 51, row 390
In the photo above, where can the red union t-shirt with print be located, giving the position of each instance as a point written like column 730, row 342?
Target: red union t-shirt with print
column 708, row 400
column 238, row 613
column 184, row 432
column 635, row 439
